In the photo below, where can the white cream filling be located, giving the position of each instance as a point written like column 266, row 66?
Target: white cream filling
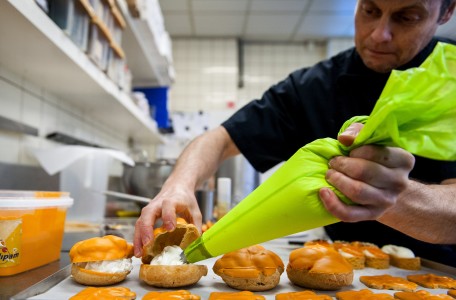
column 111, row 266
column 345, row 254
column 398, row 251
column 170, row 256
column 367, row 253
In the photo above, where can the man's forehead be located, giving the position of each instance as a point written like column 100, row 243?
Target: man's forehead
column 404, row 4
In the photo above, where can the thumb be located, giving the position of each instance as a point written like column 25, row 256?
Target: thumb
column 348, row 136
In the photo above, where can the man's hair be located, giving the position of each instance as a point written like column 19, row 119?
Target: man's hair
column 445, row 5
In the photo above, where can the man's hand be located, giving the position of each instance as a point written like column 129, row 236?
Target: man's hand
column 167, row 205
column 371, row 176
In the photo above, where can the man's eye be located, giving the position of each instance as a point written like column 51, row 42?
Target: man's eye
column 407, row 18
column 371, row 11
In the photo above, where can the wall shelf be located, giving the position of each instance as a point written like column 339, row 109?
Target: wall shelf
column 148, row 66
column 35, row 48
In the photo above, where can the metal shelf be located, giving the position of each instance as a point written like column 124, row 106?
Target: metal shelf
column 35, row 48
column 139, row 41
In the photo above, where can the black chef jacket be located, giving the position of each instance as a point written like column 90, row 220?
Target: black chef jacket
column 313, row 103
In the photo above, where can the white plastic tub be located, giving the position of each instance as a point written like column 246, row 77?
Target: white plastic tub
column 31, row 229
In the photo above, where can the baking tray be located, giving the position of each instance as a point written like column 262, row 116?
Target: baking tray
column 61, row 286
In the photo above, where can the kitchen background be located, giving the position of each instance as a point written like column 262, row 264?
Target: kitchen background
column 207, row 57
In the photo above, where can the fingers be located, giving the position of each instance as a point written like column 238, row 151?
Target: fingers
column 347, row 213
column 391, row 157
column 348, row 136
column 360, row 192
column 372, row 177
column 381, row 167
column 144, row 227
column 168, row 207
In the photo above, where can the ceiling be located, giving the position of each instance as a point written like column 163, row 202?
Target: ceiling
column 265, row 20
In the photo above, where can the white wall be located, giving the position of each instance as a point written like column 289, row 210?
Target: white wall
column 207, row 80
column 29, row 104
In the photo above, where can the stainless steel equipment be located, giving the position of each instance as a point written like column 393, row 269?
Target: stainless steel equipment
column 145, row 179
column 244, row 178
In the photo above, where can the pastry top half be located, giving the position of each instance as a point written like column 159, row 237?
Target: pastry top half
column 249, row 262
column 319, row 259
column 105, row 293
column 182, row 236
column 109, row 247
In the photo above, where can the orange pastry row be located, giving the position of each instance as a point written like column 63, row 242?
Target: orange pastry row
column 125, row 293
column 317, row 265
column 361, row 255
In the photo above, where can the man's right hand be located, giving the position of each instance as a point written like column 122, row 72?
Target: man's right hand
column 167, row 205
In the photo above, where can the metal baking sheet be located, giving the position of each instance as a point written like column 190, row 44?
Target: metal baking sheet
column 64, row 288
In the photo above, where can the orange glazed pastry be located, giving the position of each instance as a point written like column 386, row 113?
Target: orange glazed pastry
column 179, row 294
column 402, row 257
column 420, row 295
column 166, row 269
column 353, row 254
column 319, row 267
column 109, row 293
column 181, row 236
column 244, row 295
column 101, row 261
column 325, row 243
column 375, row 257
column 304, row 295
column 362, row 295
column 433, row 281
column 250, row 269
column 388, row 282
column 452, row 293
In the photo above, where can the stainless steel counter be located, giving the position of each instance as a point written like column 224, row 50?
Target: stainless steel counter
column 13, row 285
column 61, row 286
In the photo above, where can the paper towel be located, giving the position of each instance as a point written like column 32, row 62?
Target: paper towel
column 84, row 174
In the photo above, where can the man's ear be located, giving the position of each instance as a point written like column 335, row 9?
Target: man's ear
column 448, row 13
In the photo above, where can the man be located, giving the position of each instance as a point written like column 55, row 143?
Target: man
column 313, row 103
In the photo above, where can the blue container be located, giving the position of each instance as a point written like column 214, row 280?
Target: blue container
column 158, row 101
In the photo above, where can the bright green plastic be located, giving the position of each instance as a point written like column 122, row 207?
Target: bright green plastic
column 416, row 111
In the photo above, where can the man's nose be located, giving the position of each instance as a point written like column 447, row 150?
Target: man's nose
column 382, row 31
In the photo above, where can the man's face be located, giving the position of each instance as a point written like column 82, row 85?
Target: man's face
column 389, row 33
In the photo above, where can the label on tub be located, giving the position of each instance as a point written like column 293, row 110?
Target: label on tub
column 10, row 242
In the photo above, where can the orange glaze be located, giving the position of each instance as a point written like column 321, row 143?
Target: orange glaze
column 348, row 248
column 109, row 293
column 318, row 242
column 320, row 259
column 433, row 281
column 452, row 293
column 373, row 249
column 249, row 263
column 179, row 294
column 387, row 282
column 362, row 295
column 304, row 295
column 420, row 295
column 244, row 295
column 109, row 247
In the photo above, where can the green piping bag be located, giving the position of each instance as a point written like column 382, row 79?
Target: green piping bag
column 416, row 111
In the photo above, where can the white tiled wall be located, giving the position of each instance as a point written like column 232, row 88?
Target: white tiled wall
column 206, row 74
column 207, row 71
column 23, row 102
column 267, row 64
column 207, row 79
